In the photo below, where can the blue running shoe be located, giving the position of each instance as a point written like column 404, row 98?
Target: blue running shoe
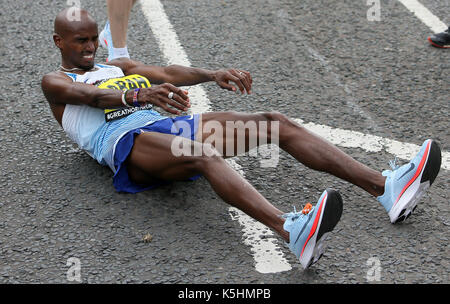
column 105, row 40
column 405, row 185
column 308, row 229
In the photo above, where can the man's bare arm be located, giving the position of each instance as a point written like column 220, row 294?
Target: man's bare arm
column 187, row 76
column 59, row 89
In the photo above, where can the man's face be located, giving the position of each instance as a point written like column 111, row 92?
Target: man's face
column 79, row 45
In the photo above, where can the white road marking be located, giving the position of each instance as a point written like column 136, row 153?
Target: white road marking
column 268, row 257
column 369, row 143
column 262, row 242
column 171, row 47
column 424, row 15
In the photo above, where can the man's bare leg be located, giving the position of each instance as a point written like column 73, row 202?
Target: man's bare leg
column 151, row 158
column 118, row 16
column 308, row 148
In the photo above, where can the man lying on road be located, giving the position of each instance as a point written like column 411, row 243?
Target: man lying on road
column 107, row 111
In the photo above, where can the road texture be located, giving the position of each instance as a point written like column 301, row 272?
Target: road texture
column 320, row 61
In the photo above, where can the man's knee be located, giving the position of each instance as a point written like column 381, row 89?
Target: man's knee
column 204, row 155
column 208, row 158
column 282, row 126
column 275, row 116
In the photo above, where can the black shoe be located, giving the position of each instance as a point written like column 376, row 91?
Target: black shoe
column 441, row 40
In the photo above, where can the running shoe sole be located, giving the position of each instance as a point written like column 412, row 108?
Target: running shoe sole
column 426, row 172
column 438, row 45
column 330, row 211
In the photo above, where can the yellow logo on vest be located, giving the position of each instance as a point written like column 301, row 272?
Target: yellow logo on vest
column 129, row 82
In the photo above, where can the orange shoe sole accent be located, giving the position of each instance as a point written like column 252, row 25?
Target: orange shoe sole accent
column 416, row 175
column 316, row 222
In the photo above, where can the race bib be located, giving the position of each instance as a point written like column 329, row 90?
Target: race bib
column 129, row 82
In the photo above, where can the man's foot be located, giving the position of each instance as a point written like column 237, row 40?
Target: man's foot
column 105, row 40
column 441, row 40
column 405, row 185
column 309, row 228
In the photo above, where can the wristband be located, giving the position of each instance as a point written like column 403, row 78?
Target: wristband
column 135, row 95
column 124, row 93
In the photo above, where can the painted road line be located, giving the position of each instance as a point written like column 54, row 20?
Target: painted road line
column 171, row 48
column 369, row 143
column 262, row 242
column 424, row 15
column 268, row 257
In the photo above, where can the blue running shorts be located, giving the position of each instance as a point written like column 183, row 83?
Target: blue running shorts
column 121, row 180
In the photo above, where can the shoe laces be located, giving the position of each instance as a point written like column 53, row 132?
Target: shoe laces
column 294, row 215
column 393, row 164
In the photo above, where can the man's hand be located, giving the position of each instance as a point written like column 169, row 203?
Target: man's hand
column 158, row 95
column 241, row 78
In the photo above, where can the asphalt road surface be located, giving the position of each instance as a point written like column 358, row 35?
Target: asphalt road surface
column 319, row 61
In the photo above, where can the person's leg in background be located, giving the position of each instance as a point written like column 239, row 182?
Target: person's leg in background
column 114, row 35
